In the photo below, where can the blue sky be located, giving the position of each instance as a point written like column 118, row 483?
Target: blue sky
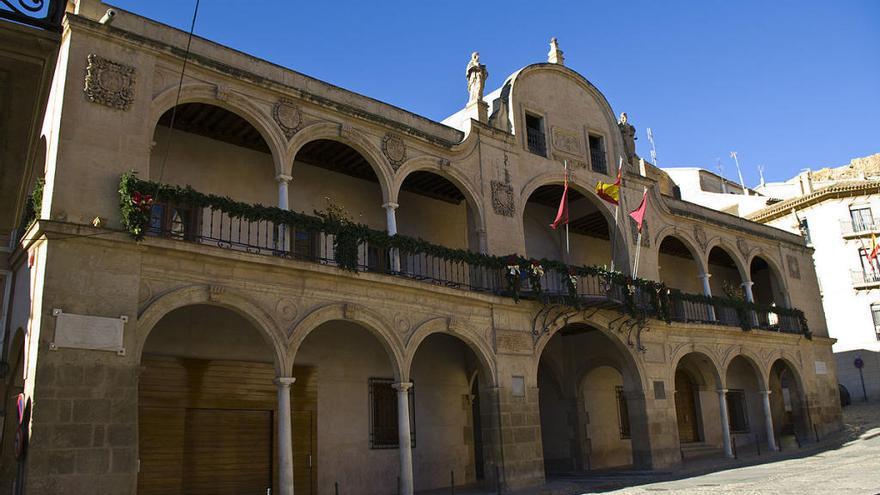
column 787, row 84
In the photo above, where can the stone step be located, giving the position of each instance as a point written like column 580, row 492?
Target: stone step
column 697, row 450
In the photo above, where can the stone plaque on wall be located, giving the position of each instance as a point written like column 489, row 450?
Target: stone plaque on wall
column 567, row 141
column 96, row 333
column 793, row 269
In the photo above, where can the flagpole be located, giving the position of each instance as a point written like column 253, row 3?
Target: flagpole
column 638, row 246
column 617, row 209
column 567, row 242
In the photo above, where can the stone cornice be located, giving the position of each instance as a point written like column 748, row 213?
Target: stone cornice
column 841, row 189
column 207, row 63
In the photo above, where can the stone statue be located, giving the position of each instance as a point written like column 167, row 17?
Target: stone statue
column 476, row 74
column 629, row 138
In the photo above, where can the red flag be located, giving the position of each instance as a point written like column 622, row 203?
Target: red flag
column 639, row 213
column 562, row 214
column 875, row 248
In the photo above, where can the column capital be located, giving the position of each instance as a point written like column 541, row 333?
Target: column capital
column 402, row 386
column 283, row 178
column 391, row 205
column 284, row 381
column 766, row 392
column 722, row 390
column 705, row 275
column 747, row 283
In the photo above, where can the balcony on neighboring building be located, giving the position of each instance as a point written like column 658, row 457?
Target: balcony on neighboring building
column 865, row 280
column 850, row 228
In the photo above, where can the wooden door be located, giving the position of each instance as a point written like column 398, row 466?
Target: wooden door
column 227, row 452
column 304, row 455
column 686, row 408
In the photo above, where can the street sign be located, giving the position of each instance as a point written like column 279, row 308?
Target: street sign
column 858, row 363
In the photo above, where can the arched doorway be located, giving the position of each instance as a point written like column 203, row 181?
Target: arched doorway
column 207, row 405
column 745, row 402
column 726, row 281
column 787, row 405
column 697, row 412
column 450, row 382
column 767, row 290
column 590, row 234
column 590, row 402
column 355, row 430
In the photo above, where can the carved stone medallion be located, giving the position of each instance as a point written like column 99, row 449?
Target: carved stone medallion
column 288, row 116
column 109, row 83
column 634, row 232
column 394, row 149
column 567, row 141
column 700, row 236
column 794, row 270
column 502, row 198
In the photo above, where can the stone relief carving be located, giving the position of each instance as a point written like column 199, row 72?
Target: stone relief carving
column 634, row 231
column 394, row 149
column 794, row 270
column 215, row 292
column 222, row 91
column 286, row 308
column 742, row 246
column 401, row 322
column 700, row 236
column 502, row 198
column 109, row 83
column 567, row 141
column 288, row 116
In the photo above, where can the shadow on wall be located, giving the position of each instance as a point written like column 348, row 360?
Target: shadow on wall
column 863, row 385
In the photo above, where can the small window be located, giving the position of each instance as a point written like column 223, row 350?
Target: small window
column 862, row 219
column 383, row 414
column 622, row 413
column 535, row 135
column 737, row 413
column 875, row 314
column 597, row 154
column 172, row 221
column 804, row 227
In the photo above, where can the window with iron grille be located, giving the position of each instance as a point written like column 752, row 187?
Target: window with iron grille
column 622, row 413
column 535, row 135
column 875, row 314
column 383, row 414
column 862, row 219
column 870, row 267
column 597, row 154
column 737, row 413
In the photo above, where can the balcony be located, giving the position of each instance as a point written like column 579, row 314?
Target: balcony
column 865, row 280
column 182, row 214
column 850, row 229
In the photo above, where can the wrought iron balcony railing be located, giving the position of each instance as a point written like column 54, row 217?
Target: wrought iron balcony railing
column 183, row 214
column 38, row 13
column 849, row 227
column 863, row 278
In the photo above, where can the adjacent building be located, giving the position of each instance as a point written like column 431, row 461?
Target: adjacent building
column 259, row 281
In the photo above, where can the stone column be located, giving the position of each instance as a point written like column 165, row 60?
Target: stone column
column 768, row 421
column 707, row 291
column 284, row 204
column 404, row 437
column 285, row 436
column 750, row 297
column 391, row 220
column 725, row 422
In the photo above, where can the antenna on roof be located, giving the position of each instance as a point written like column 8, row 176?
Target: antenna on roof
column 720, row 168
column 761, row 173
column 742, row 183
column 653, row 148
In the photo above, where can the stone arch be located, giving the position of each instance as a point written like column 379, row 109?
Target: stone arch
column 157, row 308
column 731, row 251
column 430, row 164
column 243, row 107
column 634, row 370
column 686, row 239
column 354, row 313
column 698, row 351
column 442, row 326
column 754, row 361
column 350, row 137
column 775, row 270
column 583, row 371
column 789, row 362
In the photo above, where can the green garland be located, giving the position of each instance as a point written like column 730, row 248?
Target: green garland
column 137, row 196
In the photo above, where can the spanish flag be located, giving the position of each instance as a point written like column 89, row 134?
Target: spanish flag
column 610, row 192
column 875, row 248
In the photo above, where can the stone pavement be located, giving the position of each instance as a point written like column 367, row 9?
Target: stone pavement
column 846, row 463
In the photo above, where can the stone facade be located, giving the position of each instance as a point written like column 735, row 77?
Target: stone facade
column 85, row 435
